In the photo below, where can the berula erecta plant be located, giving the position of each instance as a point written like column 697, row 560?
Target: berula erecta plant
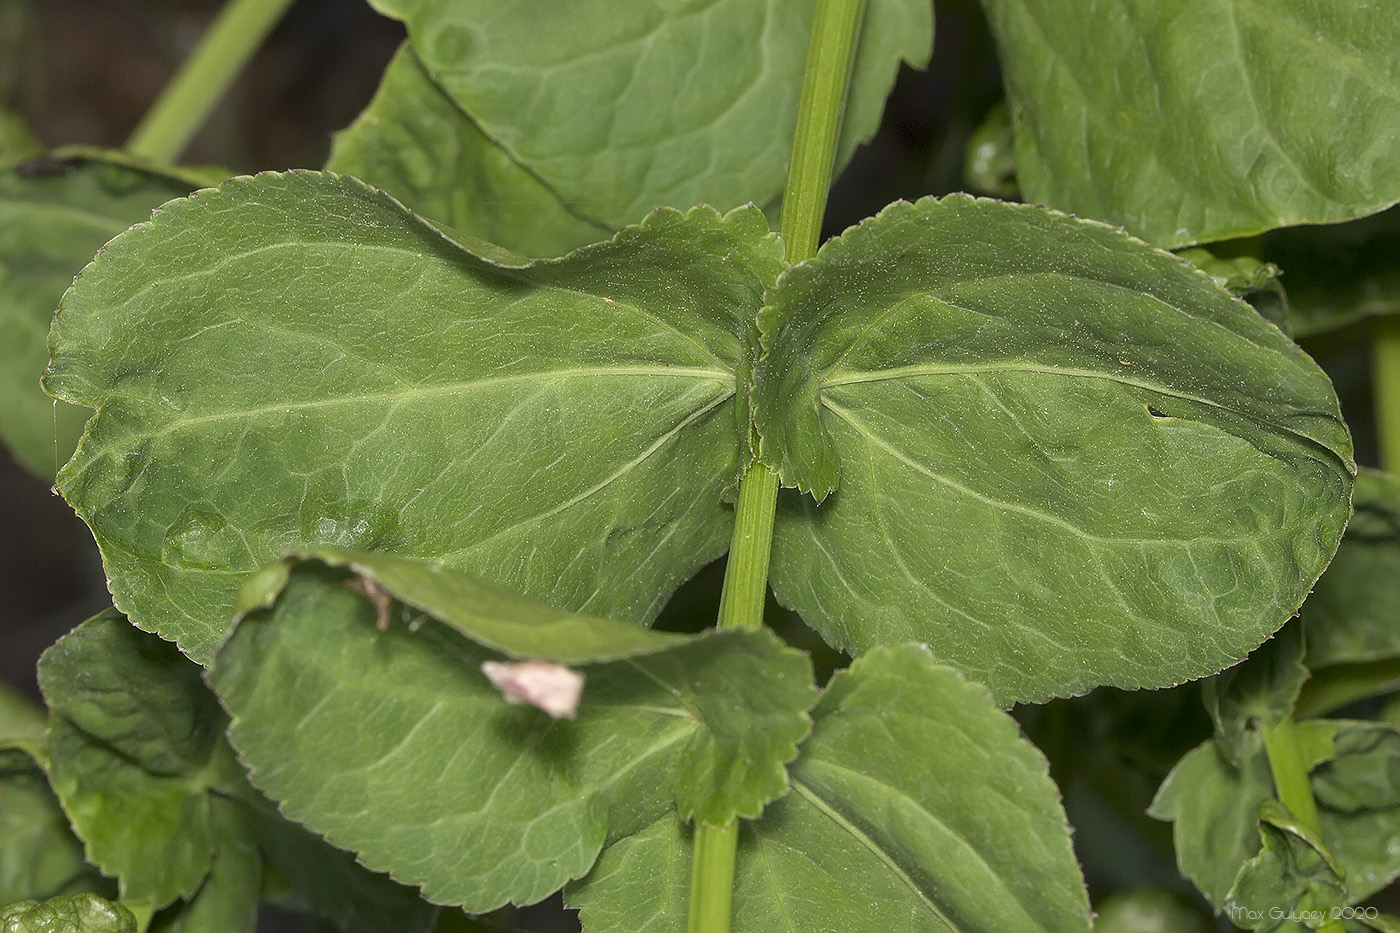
column 385, row 461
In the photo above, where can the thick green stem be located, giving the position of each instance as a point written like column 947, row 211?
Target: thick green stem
column 1385, row 388
column 712, row 877
column 200, row 83
column 1292, row 785
column 827, row 72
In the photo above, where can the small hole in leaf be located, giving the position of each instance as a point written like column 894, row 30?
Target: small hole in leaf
column 1156, row 412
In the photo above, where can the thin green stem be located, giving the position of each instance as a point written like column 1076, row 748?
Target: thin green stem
column 827, row 72
column 746, row 575
column 1343, row 684
column 825, row 76
column 200, row 83
column 1292, row 785
column 1385, row 387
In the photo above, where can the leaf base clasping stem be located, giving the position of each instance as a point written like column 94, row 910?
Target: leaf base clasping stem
column 830, row 52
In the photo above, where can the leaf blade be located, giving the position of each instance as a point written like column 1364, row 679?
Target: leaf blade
column 996, row 387
column 326, row 333
column 1110, row 122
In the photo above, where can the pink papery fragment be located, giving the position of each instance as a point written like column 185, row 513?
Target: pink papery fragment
column 552, row 687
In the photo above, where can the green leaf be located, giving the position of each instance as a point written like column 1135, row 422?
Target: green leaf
column 138, row 760
column 1194, row 120
column 412, row 132
column 1351, row 614
column 1338, row 274
column 1065, row 458
column 1149, row 910
column 227, row 900
column 329, row 883
column 76, row 913
column 1359, row 803
column 1260, row 691
column 1248, row 278
column 1214, row 806
column 320, row 367
column 916, row 805
column 39, row 855
column 1292, row 875
column 55, row 212
column 701, row 101
column 392, row 743
column 491, row 615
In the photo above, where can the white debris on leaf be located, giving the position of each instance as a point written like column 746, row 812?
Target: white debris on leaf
column 554, row 688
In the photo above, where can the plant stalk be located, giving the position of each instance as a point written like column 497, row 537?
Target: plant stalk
column 825, row 76
column 1385, row 388
column 167, row 128
column 1292, row 785
column 1341, row 685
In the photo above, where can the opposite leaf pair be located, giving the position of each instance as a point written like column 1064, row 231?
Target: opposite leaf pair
column 1061, row 457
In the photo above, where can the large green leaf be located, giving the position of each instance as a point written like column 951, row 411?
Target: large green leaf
column 138, row 760
column 54, row 214
column 416, row 143
column 916, row 805
column 392, row 743
column 1358, row 801
column 1191, row 120
column 20, row 719
column 317, row 366
column 699, row 99
column 1351, row 614
column 227, row 899
column 1065, row 458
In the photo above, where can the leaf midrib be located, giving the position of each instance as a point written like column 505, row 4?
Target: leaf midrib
column 447, row 389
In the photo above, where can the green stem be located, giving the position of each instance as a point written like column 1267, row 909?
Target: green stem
column 746, row 574
column 827, row 72
column 1292, row 785
column 835, row 28
column 1385, row 387
column 712, row 877
column 200, row 83
column 1343, row 684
